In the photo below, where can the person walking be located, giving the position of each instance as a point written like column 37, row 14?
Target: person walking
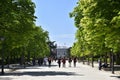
column 59, row 62
column 70, row 60
column 100, row 63
column 49, row 61
column 45, row 60
column 74, row 61
column 64, row 61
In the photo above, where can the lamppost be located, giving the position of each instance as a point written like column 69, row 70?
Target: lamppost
column 2, row 67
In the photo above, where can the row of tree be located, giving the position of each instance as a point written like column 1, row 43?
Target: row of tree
column 98, row 28
column 22, row 38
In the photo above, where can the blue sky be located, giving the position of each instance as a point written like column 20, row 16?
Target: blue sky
column 53, row 16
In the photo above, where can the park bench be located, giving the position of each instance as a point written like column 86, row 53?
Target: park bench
column 14, row 66
column 104, row 65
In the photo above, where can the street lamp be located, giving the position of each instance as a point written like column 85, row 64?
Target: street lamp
column 2, row 67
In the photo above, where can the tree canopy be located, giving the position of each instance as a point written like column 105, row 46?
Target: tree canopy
column 17, row 26
column 98, row 26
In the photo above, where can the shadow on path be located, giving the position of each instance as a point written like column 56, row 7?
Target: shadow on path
column 5, row 78
column 115, row 76
column 44, row 73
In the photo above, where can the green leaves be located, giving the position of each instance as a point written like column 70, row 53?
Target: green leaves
column 17, row 25
column 98, row 26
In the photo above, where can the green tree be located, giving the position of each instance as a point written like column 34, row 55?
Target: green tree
column 98, row 25
column 17, row 26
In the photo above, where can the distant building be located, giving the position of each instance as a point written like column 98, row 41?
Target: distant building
column 62, row 52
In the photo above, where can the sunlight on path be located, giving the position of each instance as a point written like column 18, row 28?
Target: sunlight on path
column 81, row 72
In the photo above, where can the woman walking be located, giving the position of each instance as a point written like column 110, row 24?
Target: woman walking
column 49, row 61
column 70, row 60
column 59, row 62
column 74, row 61
column 64, row 61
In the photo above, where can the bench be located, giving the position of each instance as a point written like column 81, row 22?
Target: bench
column 14, row 66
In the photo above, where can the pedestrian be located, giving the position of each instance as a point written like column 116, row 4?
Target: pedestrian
column 70, row 60
column 100, row 64
column 49, row 61
column 33, row 61
column 74, row 61
column 45, row 60
column 39, row 62
column 59, row 62
column 63, row 61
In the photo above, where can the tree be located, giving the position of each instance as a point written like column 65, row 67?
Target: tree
column 99, row 24
column 17, row 25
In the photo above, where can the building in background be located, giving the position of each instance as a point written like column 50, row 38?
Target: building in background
column 62, row 51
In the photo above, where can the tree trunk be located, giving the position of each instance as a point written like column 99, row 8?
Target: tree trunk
column 92, row 61
column 8, row 60
column 83, row 60
column 112, row 63
column 110, row 59
column 28, row 59
column 105, row 59
column 88, row 60
column 118, row 58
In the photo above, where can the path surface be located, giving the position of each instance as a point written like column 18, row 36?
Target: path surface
column 81, row 72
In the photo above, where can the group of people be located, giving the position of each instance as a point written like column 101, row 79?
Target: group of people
column 48, row 60
column 44, row 61
column 63, row 61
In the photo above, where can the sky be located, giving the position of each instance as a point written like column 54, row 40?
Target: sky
column 53, row 16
